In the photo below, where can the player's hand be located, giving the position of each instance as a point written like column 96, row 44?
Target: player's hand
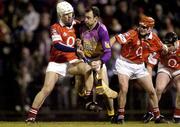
column 165, row 49
column 96, row 65
column 80, row 53
column 79, row 44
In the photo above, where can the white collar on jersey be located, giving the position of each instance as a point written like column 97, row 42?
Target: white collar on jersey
column 150, row 36
column 62, row 24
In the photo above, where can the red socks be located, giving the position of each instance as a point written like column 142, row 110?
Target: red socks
column 156, row 112
column 32, row 112
column 121, row 112
column 177, row 113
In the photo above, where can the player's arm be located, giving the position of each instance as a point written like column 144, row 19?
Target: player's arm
column 104, row 38
column 123, row 38
column 112, row 41
column 64, row 48
column 58, row 42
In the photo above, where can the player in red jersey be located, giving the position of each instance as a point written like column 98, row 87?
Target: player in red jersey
column 169, row 71
column 130, row 64
column 62, row 53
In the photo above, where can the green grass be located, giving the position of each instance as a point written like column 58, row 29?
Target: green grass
column 84, row 124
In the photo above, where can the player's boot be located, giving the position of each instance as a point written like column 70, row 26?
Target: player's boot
column 31, row 115
column 30, row 120
column 176, row 120
column 93, row 106
column 148, row 117
column 161, row 119
column 116, row 119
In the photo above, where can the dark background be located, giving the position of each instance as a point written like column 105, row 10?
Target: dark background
column 24, row 53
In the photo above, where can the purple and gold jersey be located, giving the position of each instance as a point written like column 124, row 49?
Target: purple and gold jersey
column 96, row 42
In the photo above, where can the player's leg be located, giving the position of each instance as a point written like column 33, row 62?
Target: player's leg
column 147, row 84
column 123, row 89
column 108, row 101
column 83, row 84
column 103, row 84
column 162, row 81
column 176, row 116
column 83, row 69
column 49, row 83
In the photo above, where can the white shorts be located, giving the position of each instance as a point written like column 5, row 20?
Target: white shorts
column 60, row 68
column 171, row 72
column 133, row 70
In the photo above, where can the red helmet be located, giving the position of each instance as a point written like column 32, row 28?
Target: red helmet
column 147, row 21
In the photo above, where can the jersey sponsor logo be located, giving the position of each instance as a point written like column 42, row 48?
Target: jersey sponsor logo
column 70, row 41
column 139, row 52
column 172, row 63
column 122, row 38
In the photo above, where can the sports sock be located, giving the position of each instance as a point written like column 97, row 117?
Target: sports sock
column 110, row 112
column 176, row 113
column 156, row 112
column 32, row 112
column 121, row 112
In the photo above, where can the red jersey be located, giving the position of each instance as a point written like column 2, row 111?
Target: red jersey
column 152, row 46
column 172, row 59
column 65, row 36
column 136, row 49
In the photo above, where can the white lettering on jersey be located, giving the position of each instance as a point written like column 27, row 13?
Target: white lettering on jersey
column 56, row 37
column 122, row 38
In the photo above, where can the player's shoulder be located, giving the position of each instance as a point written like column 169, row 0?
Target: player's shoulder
column 102, row 27
column 131, row 33
column 154, row 35
column 55, row 26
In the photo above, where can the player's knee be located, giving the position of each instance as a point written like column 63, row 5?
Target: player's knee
column 124, row 90
column 152, row 93
column 159, row 91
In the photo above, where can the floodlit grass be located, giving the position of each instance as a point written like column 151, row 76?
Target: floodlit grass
column 84, row 124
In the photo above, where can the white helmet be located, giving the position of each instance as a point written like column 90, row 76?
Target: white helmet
column 64, row 8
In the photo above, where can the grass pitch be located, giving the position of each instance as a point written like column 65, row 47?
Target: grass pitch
column 84, row 124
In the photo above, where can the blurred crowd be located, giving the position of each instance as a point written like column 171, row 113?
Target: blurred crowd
column 25, row 42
